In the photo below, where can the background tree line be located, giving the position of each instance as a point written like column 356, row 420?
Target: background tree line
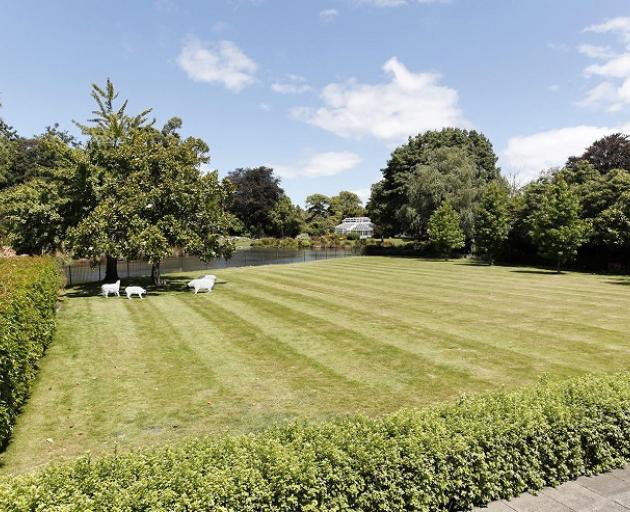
column 129, row 189
column 444, row 188
column 262, row 209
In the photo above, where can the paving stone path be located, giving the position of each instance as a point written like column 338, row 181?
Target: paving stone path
column 609, row 492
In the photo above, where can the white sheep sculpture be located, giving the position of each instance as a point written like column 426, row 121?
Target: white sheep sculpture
column 134, row 290
column 203, row 283
column 114, row 288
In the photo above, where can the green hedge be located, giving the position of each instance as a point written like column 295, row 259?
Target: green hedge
column 446, row 458
column 28, row 295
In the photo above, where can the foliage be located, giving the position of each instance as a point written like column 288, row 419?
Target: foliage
column 256, row 193
column 448, row 175
column 613, row 224
column 323, row 213
column 149, row 194
column 283, row 243
column 303, row 240
column 28, row 294
column 346, row 204
column 492, row 221
column 444, row 231
column 389, row 200
column 556, row 227
column 451, row 457
column 318, row 215
column 608, row 153
column 285, row 218
column 39, row 206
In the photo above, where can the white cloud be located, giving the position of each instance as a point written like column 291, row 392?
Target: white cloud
column 554, row 88
column 222, row 62
column 407, row 104
column 596, row 52
column 293, row 84
column 617, row 67
column 528, row 155
column 605, row 95
column 320, row 164
column 328, row 15
column 619, row 25
column 613, row 93
column 265, row 107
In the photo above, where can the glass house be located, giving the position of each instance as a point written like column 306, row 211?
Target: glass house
column 361, row 225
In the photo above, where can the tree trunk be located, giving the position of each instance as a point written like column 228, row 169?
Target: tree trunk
column 559, row 267
column 156, row 274
column 111, row 270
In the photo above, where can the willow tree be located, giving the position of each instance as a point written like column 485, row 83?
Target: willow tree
column 149, row 194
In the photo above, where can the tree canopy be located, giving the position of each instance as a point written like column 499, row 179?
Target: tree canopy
column 129, row 191
column 492, row 221
column 400, row 204
column 149, row 193
column 608, row 153
column 556, row 227
column 444, row 231
column 256, row 193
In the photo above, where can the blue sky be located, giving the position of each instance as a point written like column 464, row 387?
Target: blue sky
column 324, row 90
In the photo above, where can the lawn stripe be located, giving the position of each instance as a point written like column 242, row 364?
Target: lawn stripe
column 481, row 304
column 372, row 360
column 306, row 379
column 616, row 339
column 443, row 345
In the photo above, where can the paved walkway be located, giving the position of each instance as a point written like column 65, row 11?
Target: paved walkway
column 609, row 492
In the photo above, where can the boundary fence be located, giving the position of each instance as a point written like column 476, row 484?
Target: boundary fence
column 82, row 272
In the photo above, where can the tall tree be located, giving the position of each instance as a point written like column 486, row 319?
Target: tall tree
column 109, row 133
column 555, row 224
column 256, row 193
column 449, row 175
column 492, row 221
column 318, row 215
column 148, row 192
column 388, row 203
column 444, row 231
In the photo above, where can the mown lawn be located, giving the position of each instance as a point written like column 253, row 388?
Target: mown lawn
column 312, row 340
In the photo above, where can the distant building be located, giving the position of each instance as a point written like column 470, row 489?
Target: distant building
column 361, row 225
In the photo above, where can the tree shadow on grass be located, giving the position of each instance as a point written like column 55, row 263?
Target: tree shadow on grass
column 173, row 284
column 539, row 272
column 474, row 264
column 619, row 282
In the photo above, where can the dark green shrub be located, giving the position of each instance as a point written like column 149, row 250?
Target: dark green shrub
column 388, row 248
column 446, row 458
column 28, row 294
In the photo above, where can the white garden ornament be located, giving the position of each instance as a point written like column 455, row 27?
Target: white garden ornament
column 134, row 290
column 203, row 283
column 114, row 288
